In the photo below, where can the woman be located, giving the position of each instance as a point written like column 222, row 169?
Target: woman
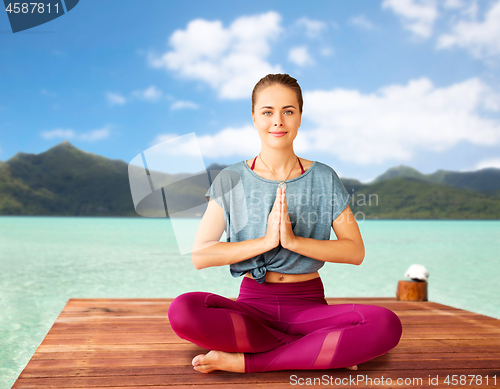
column 277, row 210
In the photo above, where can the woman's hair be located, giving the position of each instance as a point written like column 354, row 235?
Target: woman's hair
column 277, row 79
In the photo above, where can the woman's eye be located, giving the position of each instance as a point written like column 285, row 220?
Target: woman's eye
column 267, row 113
column 288, row 112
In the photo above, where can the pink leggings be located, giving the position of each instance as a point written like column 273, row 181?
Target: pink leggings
column 284, row 326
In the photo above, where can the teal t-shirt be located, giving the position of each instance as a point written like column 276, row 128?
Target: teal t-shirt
column 315, row 199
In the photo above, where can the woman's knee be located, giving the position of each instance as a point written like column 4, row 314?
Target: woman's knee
column 386, row 322
column 184, row 312
column 391, row 327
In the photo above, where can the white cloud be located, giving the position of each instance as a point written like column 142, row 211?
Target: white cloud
column 418, row 16
column 150, row 94
column 115, row 98
column 491, row 162
column 58, row 133
column 313, row 28
column 227, row 142
column 453, row 4
column 472, row 10
column 95, row 135
column 230, row 60
column 362, row 21
column 391, row 124
column 395, row 122
column 481, row 39
column 327, row 51
column 180, row 104
column 71, row 134
column 300, row 56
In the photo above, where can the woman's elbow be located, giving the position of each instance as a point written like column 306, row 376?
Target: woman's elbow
column 200, row 256
column 359, row 260
column 195, row 257
column 197, row 265
column 195, row 262
column 360, row 254
column 357, row 252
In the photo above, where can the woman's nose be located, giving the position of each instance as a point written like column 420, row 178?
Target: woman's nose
column 278, row 123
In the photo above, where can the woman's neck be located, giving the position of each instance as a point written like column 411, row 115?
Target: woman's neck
column 279, row 160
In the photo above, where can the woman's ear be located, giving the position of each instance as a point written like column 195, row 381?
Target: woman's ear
column 253, row 117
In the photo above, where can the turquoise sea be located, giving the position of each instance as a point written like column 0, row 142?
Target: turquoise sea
column 44, row 261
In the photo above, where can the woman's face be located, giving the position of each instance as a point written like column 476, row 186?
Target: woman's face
column 276, row 115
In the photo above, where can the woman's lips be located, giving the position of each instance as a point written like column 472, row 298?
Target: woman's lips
column 278, row 134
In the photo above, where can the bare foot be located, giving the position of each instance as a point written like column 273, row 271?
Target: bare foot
column 355, row 367
column 219, row 360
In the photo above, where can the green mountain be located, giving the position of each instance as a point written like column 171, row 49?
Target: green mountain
column 485, row 180
column 411, row 198
column 67, row 181
column 401, row 171
column 64, row 181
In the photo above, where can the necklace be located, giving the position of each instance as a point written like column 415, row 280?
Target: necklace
column 281, row 184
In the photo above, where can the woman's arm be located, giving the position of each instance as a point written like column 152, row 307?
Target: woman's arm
column 348, row 248
column 208, row 251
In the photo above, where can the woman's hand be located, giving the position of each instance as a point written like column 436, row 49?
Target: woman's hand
column 287, row 237
column 272, row 237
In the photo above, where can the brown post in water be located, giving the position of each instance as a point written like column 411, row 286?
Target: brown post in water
column 412, row 291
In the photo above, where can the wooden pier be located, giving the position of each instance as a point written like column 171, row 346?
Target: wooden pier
column 128, row 343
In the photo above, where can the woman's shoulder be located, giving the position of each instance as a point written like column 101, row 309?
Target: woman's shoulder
column 237, row 167
column 323, row 167
column 230, row 173
column 306, row 164
column 325, row 171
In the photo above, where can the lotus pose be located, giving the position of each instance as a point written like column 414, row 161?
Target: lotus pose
column 277, row 211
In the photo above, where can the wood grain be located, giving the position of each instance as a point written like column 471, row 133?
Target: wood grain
column 128, row 343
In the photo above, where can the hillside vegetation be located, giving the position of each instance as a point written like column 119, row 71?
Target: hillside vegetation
column 66, row 181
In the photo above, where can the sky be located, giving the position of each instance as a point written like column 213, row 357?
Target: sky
column 385, row 82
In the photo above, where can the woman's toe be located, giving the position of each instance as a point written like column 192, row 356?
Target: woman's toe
column 203, row 368
column 197, row 360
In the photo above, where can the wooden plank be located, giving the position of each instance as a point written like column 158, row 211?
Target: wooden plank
column 404, row 342
column 418, row 379
column 438, row 345
column 388, row 302
column 127, row 328
column 131, row 338
column 181, row 366
column 127, row 343
column 112, row 359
